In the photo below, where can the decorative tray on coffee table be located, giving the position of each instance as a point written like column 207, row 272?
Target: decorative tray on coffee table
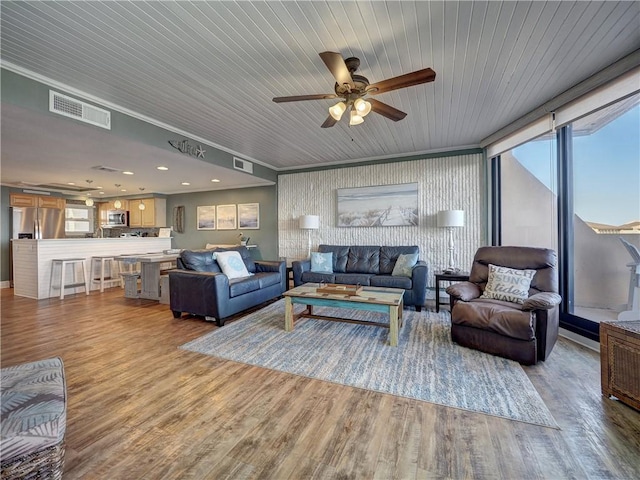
column 337, row 289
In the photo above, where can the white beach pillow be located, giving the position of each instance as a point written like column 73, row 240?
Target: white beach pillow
column 508, row 284
column 232, row 265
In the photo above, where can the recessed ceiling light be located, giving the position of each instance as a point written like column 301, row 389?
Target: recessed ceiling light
column 162, row 168
column 71, row 183
column 123, row 190
column 215, row 180
column 127, row 173
column 97, row 188
column 185, row 183
column 101, row 193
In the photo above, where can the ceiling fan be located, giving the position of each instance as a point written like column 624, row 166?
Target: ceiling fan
column 353, row 89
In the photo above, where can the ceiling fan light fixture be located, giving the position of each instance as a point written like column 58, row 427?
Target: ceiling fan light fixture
column 362, row 107
column 337, row 110
column 355, row 119
column 89, row 202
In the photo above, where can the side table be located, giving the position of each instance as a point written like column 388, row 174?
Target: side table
column 620, row 361
column 448, row 277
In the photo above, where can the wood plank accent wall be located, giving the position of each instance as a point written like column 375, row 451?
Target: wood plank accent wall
column 451, row 182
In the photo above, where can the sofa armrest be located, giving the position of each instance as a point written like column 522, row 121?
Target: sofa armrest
column 274, row 266
column 419, row 276
column 200, row 293
column 542, row 301
column 464, row 291
column 269, row 266
column 299, row 267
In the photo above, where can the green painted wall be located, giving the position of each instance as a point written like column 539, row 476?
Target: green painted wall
column 266, row 237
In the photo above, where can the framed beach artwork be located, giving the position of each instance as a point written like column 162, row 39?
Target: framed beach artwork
column 249, row 216
column 380, row 206
column 226, row 217
column 206, row 217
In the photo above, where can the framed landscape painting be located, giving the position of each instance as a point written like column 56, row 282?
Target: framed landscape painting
column 206, row 217
column 381, row 206
column 226, row 217
column 249, row 216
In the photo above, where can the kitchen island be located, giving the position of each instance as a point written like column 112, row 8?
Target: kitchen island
column 32, row 259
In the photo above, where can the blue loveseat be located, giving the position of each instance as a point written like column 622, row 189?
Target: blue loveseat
column 368, row 265
column 199, row 287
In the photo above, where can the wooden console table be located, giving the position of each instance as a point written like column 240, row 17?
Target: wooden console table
column 620, row 361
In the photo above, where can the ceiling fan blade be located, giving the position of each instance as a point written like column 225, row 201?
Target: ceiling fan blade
column 386, row 110
column 329, row 122
column 320, row 96
column 337, row 67
column 403, row 81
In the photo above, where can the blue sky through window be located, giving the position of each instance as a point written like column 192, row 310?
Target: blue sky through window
column 606, row 169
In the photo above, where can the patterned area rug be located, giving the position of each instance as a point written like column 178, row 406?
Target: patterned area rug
column 426, row 365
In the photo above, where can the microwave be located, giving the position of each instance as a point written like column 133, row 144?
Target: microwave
column 117, row 218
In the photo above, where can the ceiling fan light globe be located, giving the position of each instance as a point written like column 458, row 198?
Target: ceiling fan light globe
column 355, row 119
column 117, row 204
column 337, row 110
column 142, row 206
column 362, row 107
column 89, row 202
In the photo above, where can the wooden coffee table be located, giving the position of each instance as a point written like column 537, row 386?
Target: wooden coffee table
column 372, row 299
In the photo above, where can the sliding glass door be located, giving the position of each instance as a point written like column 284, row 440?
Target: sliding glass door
column 606, row 203
column 577, row 191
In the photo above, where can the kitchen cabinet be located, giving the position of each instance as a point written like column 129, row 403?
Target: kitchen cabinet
column 26, row 200
column 104, row 207
column 23, row 200
column 52, row 202
column 153, row 215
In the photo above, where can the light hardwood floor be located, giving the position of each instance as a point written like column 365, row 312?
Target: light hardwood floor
column 140, row 408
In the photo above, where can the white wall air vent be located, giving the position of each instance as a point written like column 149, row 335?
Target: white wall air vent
column 72, row 108
column 243, row 165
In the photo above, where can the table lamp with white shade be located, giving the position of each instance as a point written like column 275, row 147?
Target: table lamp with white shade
column 309, row 222
column 451, row 219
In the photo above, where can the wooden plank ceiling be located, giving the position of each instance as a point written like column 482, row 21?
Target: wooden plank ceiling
column 212, row 68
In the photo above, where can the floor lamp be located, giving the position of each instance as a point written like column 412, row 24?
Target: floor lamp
column 451, row 219
column 309, row 222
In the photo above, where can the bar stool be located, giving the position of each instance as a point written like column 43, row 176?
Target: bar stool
column 98, row 271
column 62, row 263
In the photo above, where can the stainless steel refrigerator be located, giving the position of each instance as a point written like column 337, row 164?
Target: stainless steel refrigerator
column 37, row 223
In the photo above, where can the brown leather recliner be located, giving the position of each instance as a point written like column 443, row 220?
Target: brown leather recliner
column 523, row 332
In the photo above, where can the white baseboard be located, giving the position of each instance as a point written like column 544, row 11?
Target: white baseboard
column 5, row 284
column 585, row 342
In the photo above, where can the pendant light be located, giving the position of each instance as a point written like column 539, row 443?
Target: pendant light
column 117, row 204
column 89, row 201
column 141, row 206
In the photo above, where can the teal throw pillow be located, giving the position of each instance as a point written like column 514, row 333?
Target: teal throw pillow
column 404, row 265
column 322, row 262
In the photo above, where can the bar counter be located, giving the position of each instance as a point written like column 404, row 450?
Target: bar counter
column 32, row 258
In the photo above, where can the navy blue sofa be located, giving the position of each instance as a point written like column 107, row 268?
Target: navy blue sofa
column 368, row 265
column 199, row 287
